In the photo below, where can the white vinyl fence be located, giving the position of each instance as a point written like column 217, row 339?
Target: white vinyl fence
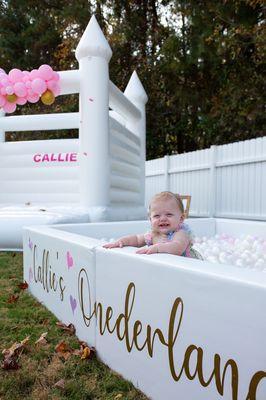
column 227, row 181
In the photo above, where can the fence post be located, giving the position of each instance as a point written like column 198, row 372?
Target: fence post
column 166, row 173
column 136, row 93
column 212, row 181
column 93, row 54
column 2, row 132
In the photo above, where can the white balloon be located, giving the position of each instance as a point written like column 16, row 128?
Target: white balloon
column 239, row 262
column 215, row 250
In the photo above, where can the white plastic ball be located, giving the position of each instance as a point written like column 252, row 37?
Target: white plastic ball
column 239, row 262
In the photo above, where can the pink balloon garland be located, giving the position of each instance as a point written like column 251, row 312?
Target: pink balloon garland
column 19, row 87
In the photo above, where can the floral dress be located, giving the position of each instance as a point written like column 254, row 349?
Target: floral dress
column 189, row 251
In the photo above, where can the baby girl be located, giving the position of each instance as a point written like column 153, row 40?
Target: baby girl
column 168, row 232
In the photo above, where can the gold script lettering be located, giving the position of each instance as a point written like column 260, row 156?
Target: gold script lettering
column 121, row 328
column 254, row 383
column 62, row 288
column 43, row 273
column 87, row 316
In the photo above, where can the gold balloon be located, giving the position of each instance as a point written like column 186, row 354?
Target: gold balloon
column 11, row 98
column 48, row 98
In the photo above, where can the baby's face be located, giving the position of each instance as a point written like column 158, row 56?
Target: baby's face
column 165, row 216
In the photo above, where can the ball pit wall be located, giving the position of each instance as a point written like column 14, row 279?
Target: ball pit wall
column 51, row 268
column 236, row 228
column 177, row 328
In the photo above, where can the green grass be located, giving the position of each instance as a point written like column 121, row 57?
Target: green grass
column 40, row 366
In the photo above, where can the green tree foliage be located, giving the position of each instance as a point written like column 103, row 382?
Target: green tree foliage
column 211, row 80
column 201, row 61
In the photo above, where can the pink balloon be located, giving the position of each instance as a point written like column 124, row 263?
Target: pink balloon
column 20, row 89
column 54, row 87
column 27, row 85
column 2, row 75
column 45, row 72
column 38, row 85
column 9, row 90
column 9, row 107
column 2, row 100
column 56, row 76
column 34, row 74
column 15, row 75
column 57, row 90
column 33, row 98
column 21, row 101
column 5, row 82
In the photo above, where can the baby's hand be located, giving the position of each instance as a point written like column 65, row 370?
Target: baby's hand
column 148, row 250
column 118, row 243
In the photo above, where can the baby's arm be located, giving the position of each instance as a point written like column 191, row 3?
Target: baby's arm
column 177, row 246
column 131, row 240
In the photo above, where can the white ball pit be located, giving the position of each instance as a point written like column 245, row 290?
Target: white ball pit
column 178, row 328
column 247, row 252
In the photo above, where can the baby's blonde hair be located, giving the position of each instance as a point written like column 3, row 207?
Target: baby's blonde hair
column 168, row 196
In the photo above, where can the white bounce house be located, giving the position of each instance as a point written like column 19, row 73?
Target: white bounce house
column 98, row 177
column 178, row 328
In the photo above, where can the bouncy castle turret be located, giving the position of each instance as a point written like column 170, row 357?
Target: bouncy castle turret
column 93, row 54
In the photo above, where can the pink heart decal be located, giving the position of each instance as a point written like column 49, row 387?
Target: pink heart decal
column 73, row 303
column 70, row 262
column 30, row 274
